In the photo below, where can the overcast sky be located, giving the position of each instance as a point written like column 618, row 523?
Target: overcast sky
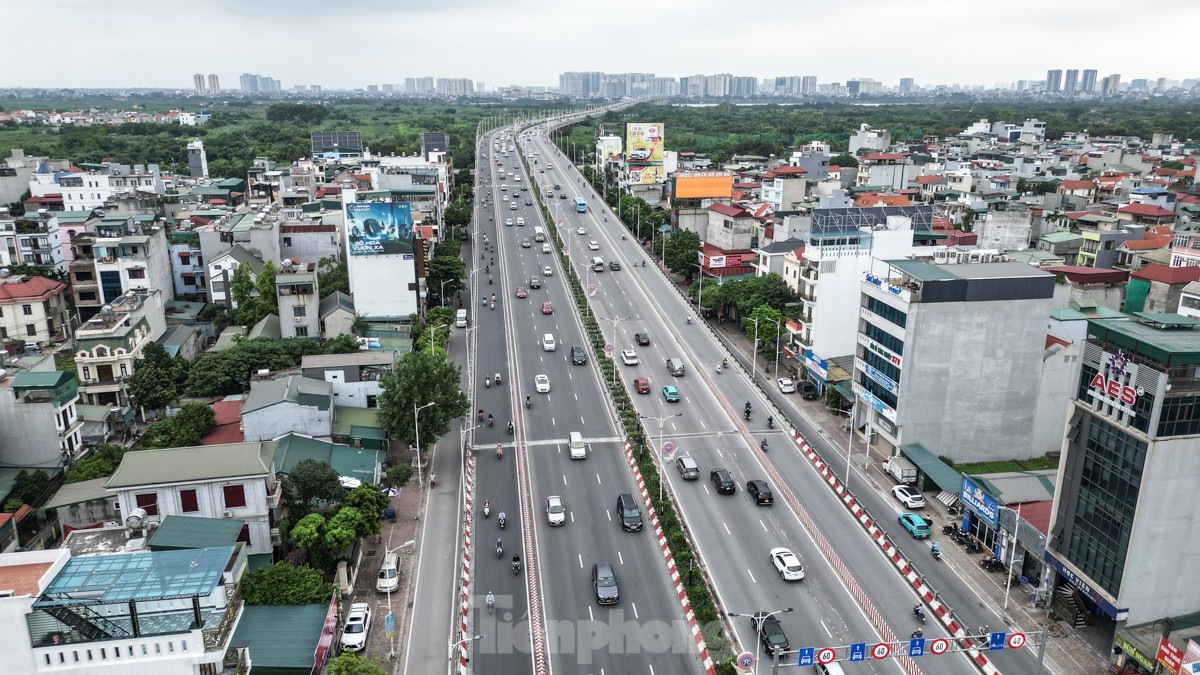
column 156, row 43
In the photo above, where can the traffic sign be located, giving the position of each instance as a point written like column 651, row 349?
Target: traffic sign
column 1016, row 640
column 917, row 649
column 883, row 649
column 668, row 448
column 608, row 347
column 805, row 656
column 996, row 641
column 745, row 660
column 858, row 651
column 939, row 646
column 390, row 622
column 826, row 655
column 591, row 289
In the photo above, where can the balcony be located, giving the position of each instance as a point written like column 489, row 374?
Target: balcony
column 216, row 638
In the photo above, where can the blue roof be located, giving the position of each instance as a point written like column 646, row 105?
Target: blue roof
column 122, row 577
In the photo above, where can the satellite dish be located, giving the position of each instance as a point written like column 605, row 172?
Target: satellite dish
column 5, row 273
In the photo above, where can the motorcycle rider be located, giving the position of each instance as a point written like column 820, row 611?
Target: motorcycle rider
column 510, row 427
column 919, row 612
column 936, row 549
column 770, row 422
column 487, row 508
column 528, row 401
column 516, row 563
column 503, row 520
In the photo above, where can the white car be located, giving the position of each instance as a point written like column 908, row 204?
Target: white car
column 520, row 222
column 541, row 384
column 908, row 496
column 545, row 247
column 358, row 624
column 505, row 198
column 787, row 564
column 629, row 357
column 594, row 245
column 786, row 385
column 556, row 513
column 581, row 231
column 508, row 222
column 547, row 272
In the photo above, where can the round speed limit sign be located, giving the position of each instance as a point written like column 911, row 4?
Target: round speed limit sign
column 826, row 655
column 939, row 646
column 745, row 660
column 881, row 650
column 1016, row 640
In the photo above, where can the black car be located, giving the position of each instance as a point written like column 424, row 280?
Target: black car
column 614, row 265
column 642, row 339
column 604, row 583
column 578, row 356
column 528, row 202
column 808, row 390
column 722, row 481
column 535, row 282
column 770, row 632
column 760, row 491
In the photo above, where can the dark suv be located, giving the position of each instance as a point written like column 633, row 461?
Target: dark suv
column 578, row 356
column 628, row 513
column 604, row 583
column 770, row 632
column 760, row 492
column 642, row 339
column 722, row 481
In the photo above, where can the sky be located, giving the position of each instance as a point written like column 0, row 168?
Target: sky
column 349, row 45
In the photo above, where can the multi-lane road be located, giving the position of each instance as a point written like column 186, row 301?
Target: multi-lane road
column 850, row 594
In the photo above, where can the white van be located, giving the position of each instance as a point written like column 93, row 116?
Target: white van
column 578, row 449
column 539, row 234
column 389, row 574
column 548, row 343
column 460, row 319
column 597, row 264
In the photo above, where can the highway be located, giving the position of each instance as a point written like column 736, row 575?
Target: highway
column 580, row 635
column 851, row 593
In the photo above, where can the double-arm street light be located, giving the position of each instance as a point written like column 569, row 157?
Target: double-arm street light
column 615, row 323
column 417, row 437
column 392, row 652
column 758, row 618
column 663, row 467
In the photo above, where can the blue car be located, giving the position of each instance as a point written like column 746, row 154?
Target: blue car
column 671, row 393
column 917, row 526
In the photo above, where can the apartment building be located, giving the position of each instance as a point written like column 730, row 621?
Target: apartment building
column 32, row 309
column 39, row 422
column 31, row 240
column 109, row 344
column 91, row 185
column 299, row 299
column 131, row 256
column 355, row 377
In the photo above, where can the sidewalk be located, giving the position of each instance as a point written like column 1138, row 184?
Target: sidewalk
column 1067, row 652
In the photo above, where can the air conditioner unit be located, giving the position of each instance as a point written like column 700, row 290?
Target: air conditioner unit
column 227, row 514
column 299, row 319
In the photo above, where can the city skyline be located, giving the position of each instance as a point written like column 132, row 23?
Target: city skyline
column 535, row 41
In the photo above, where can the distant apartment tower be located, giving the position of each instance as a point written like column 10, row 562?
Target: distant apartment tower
column 744, row 87
column 1071, row 86
column 1088, row 86
column 259, row 84
column 1053, row 81
column 906, row 86
column 214, row 85
column 198, row 83
column 455, row 87
column 1111, row 85
column 808, row 85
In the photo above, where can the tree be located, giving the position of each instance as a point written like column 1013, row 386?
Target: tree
column 326, row 539
column 103, row 462
column 284, row 584
column 451, row 270
column 27, row 487
column 333, row 275
column 843, row 160
column 744, row 295
column 767, row 323
column 184, row 429
column 682, row 250
column 417, row 380
column 368, row 500
column 228, row 372
column 349, row 663
column 157, row 377
column 254, row 294
column 312, row 481
column 458, row 214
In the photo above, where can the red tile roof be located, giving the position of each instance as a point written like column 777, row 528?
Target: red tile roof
column 870, row 199
column 1149, row 243
column 297, row 229
column 1038, row 514
column 1052, row 340
column 34, row 290
column 1078, row 184
column 731, row 211
column 1091, row 275
column 785, row 171
column 1168, row 275
column 926, row 180
column 746, row 186
column 1148, row 210
column 883, row 156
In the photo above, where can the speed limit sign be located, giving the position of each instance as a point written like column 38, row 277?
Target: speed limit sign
column 745, row 660
column 826, row 655
column 881, row 650
column 1016, row 640
column 939, row 646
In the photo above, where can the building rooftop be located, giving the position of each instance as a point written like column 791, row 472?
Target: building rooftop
column 283, row 637
column 75, row 493
column 333, row 301
column 16, row 290
column 23, row 579
column 1168, row 275
column 352, row 462
column 367, row 358
column 197, row 463
column 184, row 532
column 126, row 577
column 299, row 390
column 1170, row 339
column 924, row 271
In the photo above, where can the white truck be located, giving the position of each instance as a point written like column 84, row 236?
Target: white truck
column 901, row 469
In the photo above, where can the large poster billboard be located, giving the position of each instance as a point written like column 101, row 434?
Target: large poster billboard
column 644, row 143
column 379, row 228
column 645, row 175
column 704, row 185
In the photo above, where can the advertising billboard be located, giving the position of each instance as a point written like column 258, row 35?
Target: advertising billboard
column 644, row 143
column 379, row 228
column 645, row 175
column 704, row 185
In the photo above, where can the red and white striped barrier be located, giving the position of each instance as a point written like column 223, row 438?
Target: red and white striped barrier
column 464, row 597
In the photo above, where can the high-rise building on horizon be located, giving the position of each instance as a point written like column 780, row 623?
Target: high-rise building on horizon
column 259, row 84
column 214, row 85
column 1112, row 84
column 1071, row 85
column 808, row 85
column 906, row 86
column 1053, row 81
column 198, row 83
column 1088, row 86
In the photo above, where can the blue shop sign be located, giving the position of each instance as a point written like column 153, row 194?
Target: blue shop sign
column 979, row 501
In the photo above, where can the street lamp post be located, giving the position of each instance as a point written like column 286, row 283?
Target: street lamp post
column 417, row 438
column 700, row 292
column 758, row 618
column 850, row 440
column 661, row 420
column 778, row 330
column 615, row 323
column 392, row 652
column 442, row 292
column 433, row 332
column 452, row 645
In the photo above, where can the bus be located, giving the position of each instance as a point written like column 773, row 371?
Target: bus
column 580, row 205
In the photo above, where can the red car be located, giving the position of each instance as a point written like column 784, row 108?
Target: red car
column 521, row 292
column 546, row 308
column 642, row 385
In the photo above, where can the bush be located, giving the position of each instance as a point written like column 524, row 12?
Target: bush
column 399, row 474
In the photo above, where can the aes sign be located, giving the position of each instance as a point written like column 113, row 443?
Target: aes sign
column 1115, row 391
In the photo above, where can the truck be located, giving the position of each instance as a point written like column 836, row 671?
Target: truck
column 901, row 469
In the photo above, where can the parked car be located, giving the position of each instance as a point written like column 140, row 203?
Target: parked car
column 809, row 391
column 356, row 627
column 908, row 496
column 786, row 385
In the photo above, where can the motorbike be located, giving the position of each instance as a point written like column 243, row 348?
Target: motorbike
column 919, row 613
column 489, row 284
column 503, row 521
column 499, row 550
column 497, row 379
column 516, row 567
column 725, row 363
column 510, row 428
column 718, row 369
column 948, row 529
column 491, row 420
column 487, row 383
column 974, row 547
column 770, row 422
column 643, row 263
column 528, row 402
column 763, row 445
column 487, row 509
column 493, row 304
column 936, row 550
column 747, row 414
column 499, row 451
column 432, row 480
column 481, row 414
column 485, row 302
column 689, row 320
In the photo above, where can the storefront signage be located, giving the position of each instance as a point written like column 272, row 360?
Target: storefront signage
column 979, row 501
column 815, row 364
column 882, row 379
column 874, row 402
column 885, row 286
column 1115, row 391
column 1170, row 656
column 1081, row 585
column 879, row 349
column 716, row 262
column 1134, row 653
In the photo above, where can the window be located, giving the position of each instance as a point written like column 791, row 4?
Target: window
column 235, row 496
column 185, row 258
column 189, row 279
column 244, row 535
column 299, row 310
column 84, row 276
column 87, row 373
column 287, row 241
column 27, row 310
column 124, row 369
column 301, row 331
column 138, row 273
column 87, row 296
column 148, row 501
column 188, row 503
column 31, row 330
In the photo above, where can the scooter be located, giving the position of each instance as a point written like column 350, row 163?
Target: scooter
column 502, row 522
column 919, row 613
column 432, row 480
column 747, row 415
column 510, row 428
column 718, row 369
column 487, row 508
column 770, row 422
column 487, row 383
column 763, row 445
column 499, row 451
column 528, row 402
column 936, row 550
column 491, row 420
column 499, row 551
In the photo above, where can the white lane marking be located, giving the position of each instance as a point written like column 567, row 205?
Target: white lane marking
column 591, row 617
column 726, row 529
column 827, row 631
column 751, row 575
column 620, row 558
column 634, row 606
column 763, row 526
column 599, row 480
column 580, row 560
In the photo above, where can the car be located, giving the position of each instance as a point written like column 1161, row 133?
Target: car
column 629, row 357
column 786, row 385
column 521, row 292
column 549, row 195
column 917, row 526
column 614, row 265
column 541, row 383
column 581, row 231
column 541, row 171
column 520, row 222
column 512, row 206
column 505, row 198
column 760, row 491
column 604, row 583
column 809, row 391
column 787, row 564
column 908, row 496
column 547, row 272
column 593, row 245
column 642, row 339
column 504, row 188
column 722, row 481
column 671, row 393
column 524, row 188
column 640, row 154
column 547, row 308
column 688, row 468
column 545, row 247
column 556, row 513
column 508, row 222
column 562, row 195
column 578, row 355
column 356, row 628
column 641, row 385
column 556, row 185
column 770, row 632
column 525, row 243
column 528, row 201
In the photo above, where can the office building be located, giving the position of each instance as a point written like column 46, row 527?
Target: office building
column 1126, row 493
column 1071, row 86
column 198, row 84
column 1054, row 81
column 1088, row 84
column 906, row 86
column 949, row 357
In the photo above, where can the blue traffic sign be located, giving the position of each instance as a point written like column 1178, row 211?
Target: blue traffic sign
column 916, row 646
column 806, row 656
column 858, row 651
column 996, row 641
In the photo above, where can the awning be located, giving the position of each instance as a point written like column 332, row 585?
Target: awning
column 942, row 474
column 844, row 389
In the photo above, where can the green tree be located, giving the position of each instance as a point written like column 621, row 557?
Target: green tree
column 228, row 371
column 332, row 275
column 157, row 377
column 843, row 160
column 343, row 528
column 27, row 487
column 682, row 251
column 450, row 270
column 311, row 482
column 101, row 463
column 183, row 429
column 284, row 584
column 744, row 295
column 458, row 214
column 348, row 663
column 417, row 380
column 370, row 501
column 768, row 324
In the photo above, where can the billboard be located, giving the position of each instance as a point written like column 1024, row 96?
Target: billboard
column 645, row 175
column 704, row 185
column 644, row 143
column 379, row 228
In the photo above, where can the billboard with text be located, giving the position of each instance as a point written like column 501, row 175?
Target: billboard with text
column 644, row 143
column 703, row 185
column 379, row 228
column 645, row 175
